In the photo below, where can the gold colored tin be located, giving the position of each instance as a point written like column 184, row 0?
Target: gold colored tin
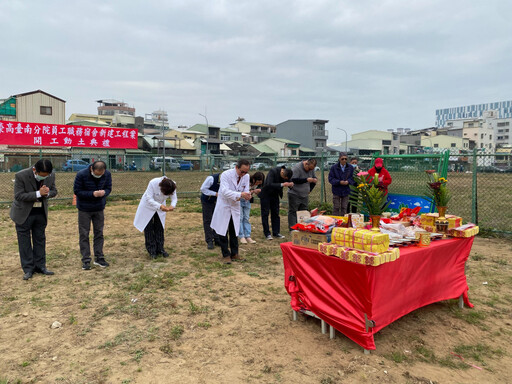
column 424, row 239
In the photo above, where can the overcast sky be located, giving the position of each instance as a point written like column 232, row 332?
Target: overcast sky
column 359, row 64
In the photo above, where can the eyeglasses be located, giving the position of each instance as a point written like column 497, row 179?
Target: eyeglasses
column 344, row 158
column 243, row 172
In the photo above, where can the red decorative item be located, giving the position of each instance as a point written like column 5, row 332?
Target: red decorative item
column 342, row 292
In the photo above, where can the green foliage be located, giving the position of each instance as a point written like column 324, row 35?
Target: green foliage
column 437, row 189
column 367, row 194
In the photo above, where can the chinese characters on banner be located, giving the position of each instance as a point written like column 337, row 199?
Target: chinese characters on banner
column 52, row 135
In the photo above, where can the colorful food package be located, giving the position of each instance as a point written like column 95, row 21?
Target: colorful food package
column 316, row 224
column 359, row 257
column 468, row 230
column 357, row 220
column 428, row 221
column 362, row 239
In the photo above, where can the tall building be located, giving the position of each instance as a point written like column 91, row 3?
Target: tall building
column 503, row 110
column 112, row 107
column 309, row 133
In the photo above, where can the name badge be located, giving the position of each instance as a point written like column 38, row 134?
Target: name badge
column 38, row 204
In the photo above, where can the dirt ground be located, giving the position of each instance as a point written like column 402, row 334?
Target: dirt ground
column 190, row 319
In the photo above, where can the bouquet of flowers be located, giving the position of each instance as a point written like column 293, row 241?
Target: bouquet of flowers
column 367, row 195
column 437, row 190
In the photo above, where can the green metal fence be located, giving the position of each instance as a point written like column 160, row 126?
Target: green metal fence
column 479, row 181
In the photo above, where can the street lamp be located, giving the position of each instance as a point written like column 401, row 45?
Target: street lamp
column 207, row 131
column 207, row 136
column 346, row 138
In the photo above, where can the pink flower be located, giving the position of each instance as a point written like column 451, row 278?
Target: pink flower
column 362, row 174
column 430, row 171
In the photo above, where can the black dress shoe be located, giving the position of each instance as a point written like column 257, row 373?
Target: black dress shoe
column 210, row 245
column 28, row 275
column 165, row 254
column 153, row 257
column 45, row 271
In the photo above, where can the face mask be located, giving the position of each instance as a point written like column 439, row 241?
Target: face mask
column 96, row 176
column 40, row 178
column 354, row 165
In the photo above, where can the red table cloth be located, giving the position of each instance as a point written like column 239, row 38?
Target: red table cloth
column 341, row 292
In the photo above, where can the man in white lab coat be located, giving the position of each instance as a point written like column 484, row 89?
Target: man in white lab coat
column 234, row 185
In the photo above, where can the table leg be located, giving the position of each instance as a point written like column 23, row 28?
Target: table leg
column 332, row 332
column 461, row 302
column 324, row 327
column 294, row 315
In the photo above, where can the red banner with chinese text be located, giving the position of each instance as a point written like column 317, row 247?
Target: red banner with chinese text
column 55, row 135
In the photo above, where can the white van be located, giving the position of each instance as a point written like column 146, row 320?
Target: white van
column 170, row 163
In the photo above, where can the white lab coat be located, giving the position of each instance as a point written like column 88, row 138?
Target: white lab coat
column 150, row 203
column 228, row 201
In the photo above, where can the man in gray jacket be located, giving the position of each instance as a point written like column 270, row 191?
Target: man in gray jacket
column 32, row 188
column 304, row 180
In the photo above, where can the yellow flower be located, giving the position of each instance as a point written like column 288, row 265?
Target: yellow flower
column 442, row 180
column 360, row 186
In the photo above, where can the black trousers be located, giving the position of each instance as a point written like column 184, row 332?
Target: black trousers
column 154, row 236
column 32, row 241
column 270, row 204
column 84, row 227
column 209, row 233
column 233, row 240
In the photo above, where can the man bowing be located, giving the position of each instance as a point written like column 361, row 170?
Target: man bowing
column 32, row 188
column 234, row 185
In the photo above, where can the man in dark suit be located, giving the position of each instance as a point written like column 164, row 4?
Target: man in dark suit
column 272, row 190
column 32, row 188
column 92, row 186
column 341, row 176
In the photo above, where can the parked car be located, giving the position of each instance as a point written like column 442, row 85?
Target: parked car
column 74, row 165
column 186, row 165
column 229, row 166
column 259, row 166
column 170, row 163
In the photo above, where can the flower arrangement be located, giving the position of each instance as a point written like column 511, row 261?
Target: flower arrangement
column 366, row 194
column 437, row 189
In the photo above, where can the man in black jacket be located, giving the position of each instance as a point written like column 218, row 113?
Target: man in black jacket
column 92, row 186
column 272, row 190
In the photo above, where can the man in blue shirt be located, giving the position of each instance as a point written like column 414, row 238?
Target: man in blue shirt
column 340, row 177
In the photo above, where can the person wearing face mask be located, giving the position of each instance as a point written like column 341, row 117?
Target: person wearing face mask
column 341, row 177
column 92, row 186
column 32, row 188
column 384, row 176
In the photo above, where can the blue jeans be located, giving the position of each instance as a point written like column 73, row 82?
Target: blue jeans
column 245, row 226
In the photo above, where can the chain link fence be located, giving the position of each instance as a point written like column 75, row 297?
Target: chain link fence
column 478, row 181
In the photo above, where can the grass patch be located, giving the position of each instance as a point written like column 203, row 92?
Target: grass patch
column 477, row 352
column 176, row 332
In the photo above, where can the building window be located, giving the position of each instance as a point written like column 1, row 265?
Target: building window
column 470, row 125
column 45, row 110
column 225, row 137
column 505, row 124
column 436, row 145
column 482, row 136
column 386, row 142
column 453, row 145
column 490, row 137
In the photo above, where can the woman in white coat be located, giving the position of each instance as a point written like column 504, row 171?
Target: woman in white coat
column 150, row 216
column 234, row 185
